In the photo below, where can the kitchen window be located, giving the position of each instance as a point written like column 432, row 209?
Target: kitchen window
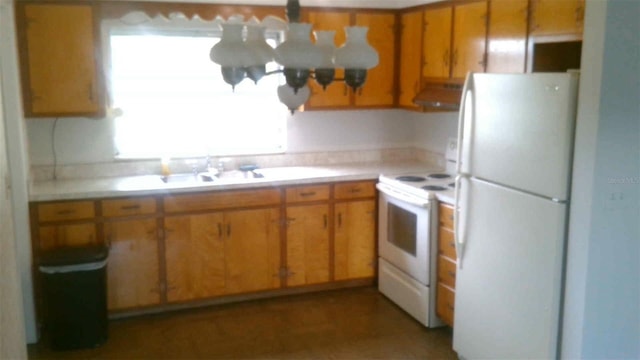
column 175, row 104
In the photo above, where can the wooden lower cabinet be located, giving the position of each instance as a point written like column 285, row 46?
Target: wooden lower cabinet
column 133, row 264
column 355, row 245
column 445, row 293
column 307, row 244
column 252, row 250
column 194, row 256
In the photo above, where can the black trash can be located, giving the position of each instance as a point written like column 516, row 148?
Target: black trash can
column 75, row 296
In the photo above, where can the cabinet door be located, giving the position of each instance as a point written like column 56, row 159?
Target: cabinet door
column 194, row 248
column 132, row 272
column 410, row 58
column 469, row 39
column 336, row 94
column 61, row 47
column 355, row 239
column 557, row 17
column 307, row 244
column 507, row 37
column 378, row 89
column 252, row 250
column 55, row 236
column 436, row 45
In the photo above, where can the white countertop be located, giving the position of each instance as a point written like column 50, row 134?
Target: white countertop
column 153, row 185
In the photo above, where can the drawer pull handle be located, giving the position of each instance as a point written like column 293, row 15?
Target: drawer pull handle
column 450, row 307
column 452, row 274
column 66, row 212
column 309, row 193
column 452, row 244
column 355, row 190
column 130, row 207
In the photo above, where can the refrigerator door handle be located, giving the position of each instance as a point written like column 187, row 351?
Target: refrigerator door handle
column 458, row 237
column 461, row 116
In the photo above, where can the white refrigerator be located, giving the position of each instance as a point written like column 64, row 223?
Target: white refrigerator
column 515, row 150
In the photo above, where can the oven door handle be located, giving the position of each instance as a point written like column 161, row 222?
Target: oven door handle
column 413, row 200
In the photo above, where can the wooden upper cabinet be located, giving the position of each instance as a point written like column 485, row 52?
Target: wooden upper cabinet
column 507, row 39
column 336, row 94
column 410, row 58
column 557, row 17
column 58, row 47
column 436, row 44
column 469, row 39
column 378, row 90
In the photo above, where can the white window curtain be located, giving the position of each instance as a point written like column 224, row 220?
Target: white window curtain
column 174, row 102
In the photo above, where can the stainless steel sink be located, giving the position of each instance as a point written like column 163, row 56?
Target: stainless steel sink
column 187, row 178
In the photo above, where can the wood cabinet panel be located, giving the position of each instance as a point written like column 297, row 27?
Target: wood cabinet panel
column 469, row 39
column 65, row 211
column 307, row 244
column 195, row 256
column 63, row 235
column 62, row 68
column 128, row 207
column 410, row 58
column 507, row 37
column 447, row 272
column 354, row 190
column 557, row 17
column 355, row 239
column 133, row 269
column 336, row 94
column 436, row 45
column 378, row 90
column 445, row 304
column 252, row 250
column 221, row 200
column 446, row 243
column 307, row 193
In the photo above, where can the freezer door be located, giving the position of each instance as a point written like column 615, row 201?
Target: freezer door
column 508, row 282
column 518, row 131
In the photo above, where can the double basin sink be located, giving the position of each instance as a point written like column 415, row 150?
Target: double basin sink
column 206, row 177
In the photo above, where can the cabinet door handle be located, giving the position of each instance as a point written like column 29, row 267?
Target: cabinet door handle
column 326, row 222
column 228, row 230
column 90, row 88
column 455, row 57
column 446, row 57
column 219, row 230
column 339, row 219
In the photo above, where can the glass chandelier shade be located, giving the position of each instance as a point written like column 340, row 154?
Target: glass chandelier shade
column 298, row 55
column 292, row 98
column 232, row 54
column 262, row 53
column 356, row 56
column 325, row 73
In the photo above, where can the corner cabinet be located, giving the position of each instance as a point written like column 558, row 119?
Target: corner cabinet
column 410, row 58
column 378, row 90
column 58, row 48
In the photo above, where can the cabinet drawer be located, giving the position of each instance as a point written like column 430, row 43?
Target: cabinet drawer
column 221, row 200
column 446, row 216
column 353, row 190
column 62, row 211
column 446, row 243
column 445, row 302
column 307, row 193
column 447, row 272
column 128, row 207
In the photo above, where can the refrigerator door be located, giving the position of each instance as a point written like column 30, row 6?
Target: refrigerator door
column 518, row 131
column 508, row 284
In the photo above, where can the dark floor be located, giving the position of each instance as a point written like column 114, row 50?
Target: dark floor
column 341, row 324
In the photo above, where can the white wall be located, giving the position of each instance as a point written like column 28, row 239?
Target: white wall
column 431, row 130
column 83, row 141
column 18, row 160
column 602, row 309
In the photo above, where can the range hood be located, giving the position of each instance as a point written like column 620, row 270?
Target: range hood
column 442, row 96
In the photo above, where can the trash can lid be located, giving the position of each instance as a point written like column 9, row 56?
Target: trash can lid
column 74, row 255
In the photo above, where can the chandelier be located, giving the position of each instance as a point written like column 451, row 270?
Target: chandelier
column 243, row 53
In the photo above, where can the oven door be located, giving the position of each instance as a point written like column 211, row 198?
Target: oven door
column 403, row 233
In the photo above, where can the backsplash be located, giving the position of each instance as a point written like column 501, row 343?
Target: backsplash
column 150, row 167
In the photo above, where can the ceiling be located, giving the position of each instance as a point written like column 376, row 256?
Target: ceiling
column 387, row 4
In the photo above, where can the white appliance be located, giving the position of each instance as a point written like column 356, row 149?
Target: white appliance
column 513, row 184
column 407, row 216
